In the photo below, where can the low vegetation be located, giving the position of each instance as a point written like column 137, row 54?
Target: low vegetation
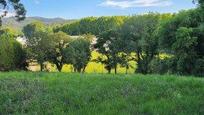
column 61, row 93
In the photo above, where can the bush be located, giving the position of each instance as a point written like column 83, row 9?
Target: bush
column 199, row 68
column 12, row 55
column 20, row 57
column 159, row 66
column 177, row 66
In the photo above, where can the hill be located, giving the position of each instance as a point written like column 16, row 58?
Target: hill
column 11, row 22
column 100, row 94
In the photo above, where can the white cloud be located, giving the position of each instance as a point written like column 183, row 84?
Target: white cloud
column 136, row 3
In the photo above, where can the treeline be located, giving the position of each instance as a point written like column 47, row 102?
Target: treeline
column 144, row 38
column 158, row 43
column 41, row 46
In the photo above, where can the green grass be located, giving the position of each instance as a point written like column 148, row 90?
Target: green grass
column 100, row 94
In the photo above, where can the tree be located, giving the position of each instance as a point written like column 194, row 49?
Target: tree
column 87, row 26
column 60, row 41
column 78, row 53
column 138, row 33
column 13, row 4
column 104, row 24
column 182, row 37
column 184, row 48
column 201, row 2
column 92, row 25
column 168, row 29
column 124, row 60
column 38, row 42
column 108, row 44
column 12, row 55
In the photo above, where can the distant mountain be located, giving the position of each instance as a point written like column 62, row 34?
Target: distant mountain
column 11, row 22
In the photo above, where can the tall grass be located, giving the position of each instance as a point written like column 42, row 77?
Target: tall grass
column 100, row 94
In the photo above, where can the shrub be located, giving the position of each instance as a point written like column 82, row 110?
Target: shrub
column 12, row 55
column 199, row 68
column 159, row 66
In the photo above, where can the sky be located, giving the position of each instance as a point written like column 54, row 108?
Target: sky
column 76, row 9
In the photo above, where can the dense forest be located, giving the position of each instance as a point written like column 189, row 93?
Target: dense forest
column 120, row 39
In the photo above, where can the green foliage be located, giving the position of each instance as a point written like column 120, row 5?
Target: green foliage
column 93, row 94
column 78, row 53
column 139, row 36
column 184, row 41
column 12, row 55
column 11, row 31
column 38, row 42
column 92, row 25
column 109, row 45
column 199, row 68
column 182, row 36
column 16, row 5
column 159, row 66
column 59, row 41
column 168, row 29
column 124, row 59
column 121, row 40
column 200, row 2
column 31, row 29
column 43, row 45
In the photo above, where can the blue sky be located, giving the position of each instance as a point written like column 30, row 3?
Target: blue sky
column 75, row 9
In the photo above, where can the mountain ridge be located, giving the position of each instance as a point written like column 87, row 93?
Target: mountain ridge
column 11, row 22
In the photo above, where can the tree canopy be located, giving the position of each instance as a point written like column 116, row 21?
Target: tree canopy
column 92, row 25
column 12, row 54
column 13, row 4
column 78, row 53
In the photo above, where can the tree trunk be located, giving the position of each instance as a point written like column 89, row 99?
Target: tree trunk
column 41, row 67
column 115, row 69
column 84, row 68
column 126, row 72
column 78, row 70
column 59, row 66
column 109, row 71
column 138, row 69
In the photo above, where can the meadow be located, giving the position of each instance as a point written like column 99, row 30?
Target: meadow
column 100, row 94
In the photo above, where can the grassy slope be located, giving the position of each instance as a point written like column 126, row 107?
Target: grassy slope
column 60, row 93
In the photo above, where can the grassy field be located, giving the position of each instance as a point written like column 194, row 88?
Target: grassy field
column 100, row 94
